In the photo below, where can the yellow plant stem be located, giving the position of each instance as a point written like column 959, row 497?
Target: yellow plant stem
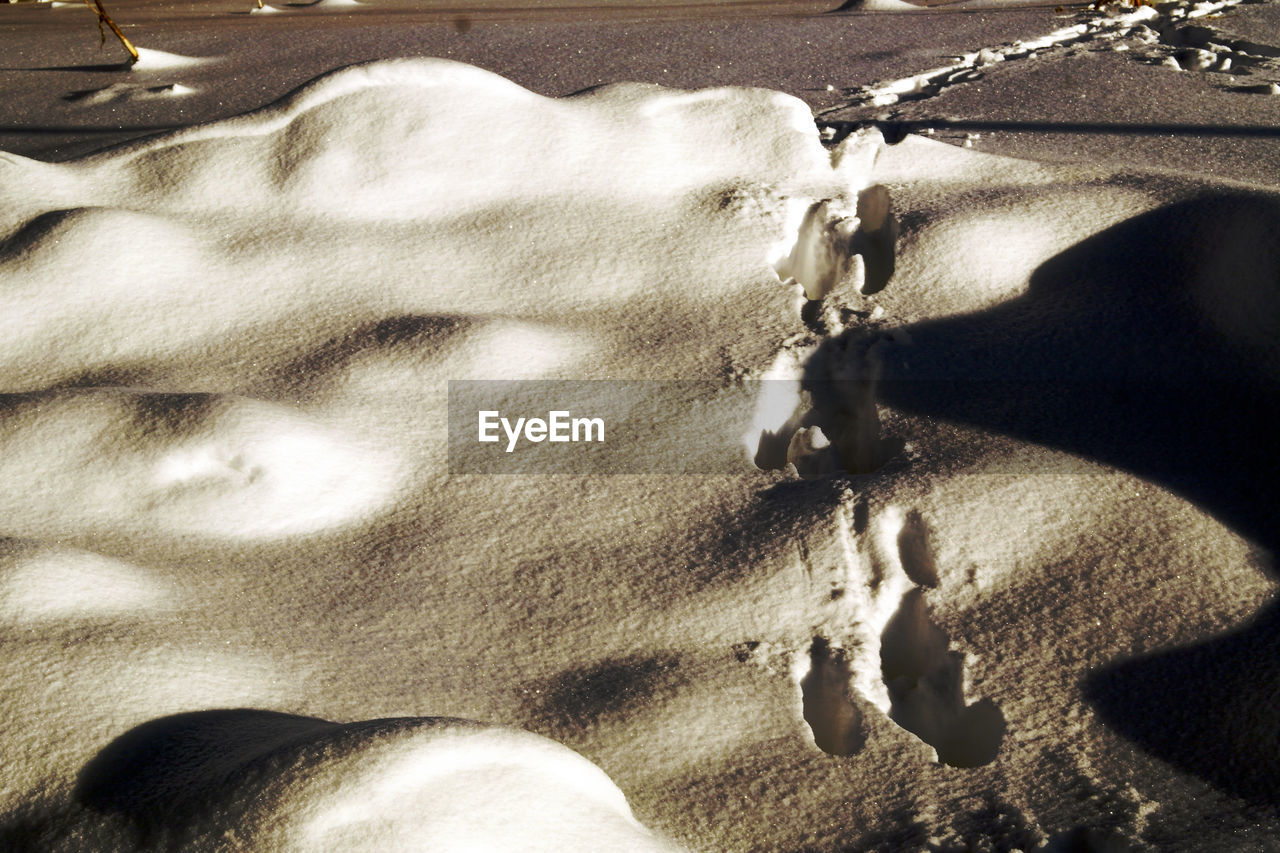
column 104, row 18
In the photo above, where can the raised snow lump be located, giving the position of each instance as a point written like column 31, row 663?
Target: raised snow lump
column 389, row 189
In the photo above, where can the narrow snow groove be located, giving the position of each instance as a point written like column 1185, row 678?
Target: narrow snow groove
column 927, row 84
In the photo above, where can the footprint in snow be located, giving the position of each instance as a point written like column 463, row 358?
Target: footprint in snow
column 881, row 647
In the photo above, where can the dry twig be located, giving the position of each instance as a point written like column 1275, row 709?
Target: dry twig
column 104, row 18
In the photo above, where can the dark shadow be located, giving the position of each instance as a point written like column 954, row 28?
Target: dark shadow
column 72, row 130
column 24, row 834
column 170, row 414
column 96, row 68
column 901, row 830
column 1211, row 709
column 39, row 231
column 158, row 413
column 579, row 698
column 1089, row 839
column 1153, row 347
column 425, row 333
column 132, row 378
column 998, row 826
column 842, row 381
column 162, row 773
column 1145, row 347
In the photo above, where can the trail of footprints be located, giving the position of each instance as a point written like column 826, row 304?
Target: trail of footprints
column 1196, row 47
column 878, row 646
column 875, row 642
column 1167, row 34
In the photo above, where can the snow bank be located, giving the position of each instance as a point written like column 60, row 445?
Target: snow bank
column 412, row 187
column 234, row 341
column 290, row 783
column 226, row 354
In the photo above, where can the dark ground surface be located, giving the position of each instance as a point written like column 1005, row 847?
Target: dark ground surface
column 1109, row 105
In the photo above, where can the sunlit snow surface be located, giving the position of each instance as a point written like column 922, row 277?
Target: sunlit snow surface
column 201, row 334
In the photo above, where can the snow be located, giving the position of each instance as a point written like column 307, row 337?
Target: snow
column 987, row 561
column 150, row 59
column 129, row 92
column 51, row 585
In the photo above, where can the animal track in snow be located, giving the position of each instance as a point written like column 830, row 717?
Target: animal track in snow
column 818, row 411
column 969, row 66
column 876, row 642
column 878, row 645
column 1111, row 25
column 915, row 551
column 925, row 680
column 832, row 422
column 1195, row 47
column 834, row 245
column 829, row 706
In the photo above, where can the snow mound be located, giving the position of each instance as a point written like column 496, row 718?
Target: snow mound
column 290, row 783
column 414, row 138
column 390, row 189
column 93, row 463
column 42, row 585
column 150, row 59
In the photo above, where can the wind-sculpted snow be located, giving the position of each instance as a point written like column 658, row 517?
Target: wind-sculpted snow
column 226, row 357
column 409, row 187
column 269, row 781
column 227, row 349
column 102, row 462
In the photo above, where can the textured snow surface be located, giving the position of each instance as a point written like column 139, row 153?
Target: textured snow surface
column 994, row 569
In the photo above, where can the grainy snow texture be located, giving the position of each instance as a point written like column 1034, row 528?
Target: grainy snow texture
column 987, row 562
